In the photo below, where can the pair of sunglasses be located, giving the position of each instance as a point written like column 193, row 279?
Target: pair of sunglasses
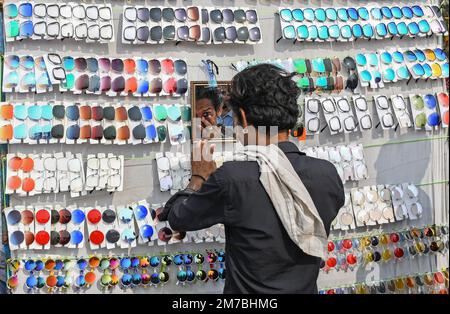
column 23, row 78
column 17, row 181
column 424, row 108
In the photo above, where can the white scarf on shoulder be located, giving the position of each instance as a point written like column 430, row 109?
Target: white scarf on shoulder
column 289, row 196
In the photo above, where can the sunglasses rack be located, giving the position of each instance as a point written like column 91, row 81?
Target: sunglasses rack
column 91, row 23
column 429, row 112
column 42, row 227
column 96, row 75
column 111, row 272
column 388, row 66
column 378, row 204
column 349, row 160
column 428, row 283
column 349, row 253
column 74, row 123
column 368, row 22
column 157, row 25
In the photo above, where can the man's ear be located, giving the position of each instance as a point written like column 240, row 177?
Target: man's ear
column 243, row 118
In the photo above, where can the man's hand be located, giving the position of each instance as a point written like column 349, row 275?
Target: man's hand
column 202, row 163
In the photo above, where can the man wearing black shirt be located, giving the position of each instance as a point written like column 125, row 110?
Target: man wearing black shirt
column 261, row 256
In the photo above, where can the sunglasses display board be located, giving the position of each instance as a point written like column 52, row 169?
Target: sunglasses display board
column 365, row 22
column 156, row 25
column 75, row 123
column 84, row 218
column 51, row 21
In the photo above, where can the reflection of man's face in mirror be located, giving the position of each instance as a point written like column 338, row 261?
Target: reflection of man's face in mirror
column 206, row 111
column 207, row 105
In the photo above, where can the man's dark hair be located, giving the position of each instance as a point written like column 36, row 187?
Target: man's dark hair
column 210, row 93
column 267, row 94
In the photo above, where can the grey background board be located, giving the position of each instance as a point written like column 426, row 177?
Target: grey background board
column 416, row 162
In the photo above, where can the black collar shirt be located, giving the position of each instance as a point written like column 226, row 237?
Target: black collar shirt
column 260, row 256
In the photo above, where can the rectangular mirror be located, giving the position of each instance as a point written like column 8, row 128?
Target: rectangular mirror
column 212, row 116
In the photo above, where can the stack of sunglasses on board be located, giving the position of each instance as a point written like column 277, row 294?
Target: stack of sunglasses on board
column 55, row 275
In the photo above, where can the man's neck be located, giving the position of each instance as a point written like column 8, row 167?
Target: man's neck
column 266, row 139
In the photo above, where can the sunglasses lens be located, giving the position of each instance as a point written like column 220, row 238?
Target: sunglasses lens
column 289, row 32
column 73, row 132
column 162, row 133
column 169, row 32
column 92, row 64
column 313, row 32
column 6, row 132
column 151, row 132
column 346, row 31
column 57, row 131
column 403, row 72
column 181, row 86
column 389, row 74
column 286, row 15
column 118, row 84
column 26, row 29
column 320, row 15
column 356, row 30
column 255, row 34
column 368, row 30
column 407, row 12
column 73, row 113
column 76, row 237
column 110, row 133
column 117, row 65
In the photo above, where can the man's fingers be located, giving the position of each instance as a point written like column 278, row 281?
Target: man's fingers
column 206, row 122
